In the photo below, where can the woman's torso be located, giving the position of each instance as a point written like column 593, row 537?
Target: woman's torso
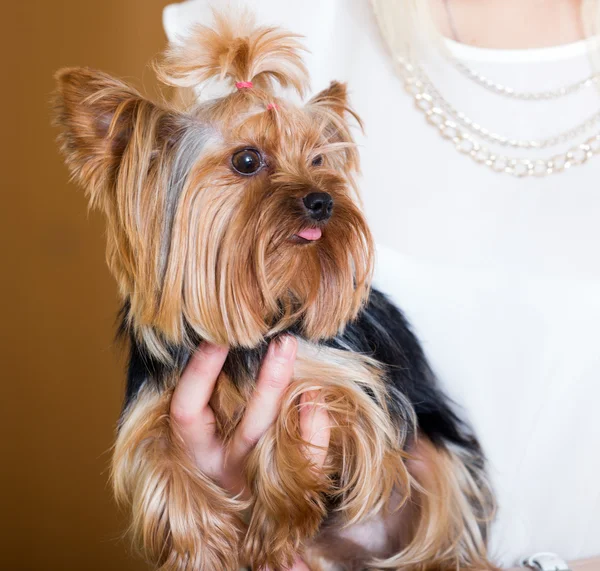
column 499, row 275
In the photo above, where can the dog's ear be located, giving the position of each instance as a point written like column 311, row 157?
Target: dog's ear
column 98, row 116
column 335, row 99
column 332, row 108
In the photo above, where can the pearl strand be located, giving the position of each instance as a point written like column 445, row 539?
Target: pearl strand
column 430, row 96
column 466, row 144
column 500, row 89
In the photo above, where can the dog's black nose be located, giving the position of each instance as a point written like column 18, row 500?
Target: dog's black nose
column 319, row 205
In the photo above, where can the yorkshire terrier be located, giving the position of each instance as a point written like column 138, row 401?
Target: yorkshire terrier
column 236, row 220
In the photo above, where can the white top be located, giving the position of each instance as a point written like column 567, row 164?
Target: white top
column 500, row 276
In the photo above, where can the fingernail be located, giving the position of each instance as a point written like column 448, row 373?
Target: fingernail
column 284, row 347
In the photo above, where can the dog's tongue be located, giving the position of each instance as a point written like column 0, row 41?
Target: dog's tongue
column 310, row 234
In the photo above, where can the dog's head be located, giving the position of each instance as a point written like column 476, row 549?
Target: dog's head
column 235, row 218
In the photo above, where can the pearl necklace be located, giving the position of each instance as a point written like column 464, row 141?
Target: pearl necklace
column 500, row 89
column 455, row 126
column 431, row 94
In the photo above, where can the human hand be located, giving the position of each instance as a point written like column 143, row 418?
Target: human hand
column 194, row 420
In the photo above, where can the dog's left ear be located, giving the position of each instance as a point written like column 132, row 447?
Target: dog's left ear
column 334, row 97
column 335, row 100
column 332, row 108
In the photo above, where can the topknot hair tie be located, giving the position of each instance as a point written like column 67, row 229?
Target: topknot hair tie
column 244, row 85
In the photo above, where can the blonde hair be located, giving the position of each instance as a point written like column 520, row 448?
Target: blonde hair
column 590, row 17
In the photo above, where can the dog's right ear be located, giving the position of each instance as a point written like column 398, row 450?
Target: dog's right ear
column 98, row 116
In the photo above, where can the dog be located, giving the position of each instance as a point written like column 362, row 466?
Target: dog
column 237, row 220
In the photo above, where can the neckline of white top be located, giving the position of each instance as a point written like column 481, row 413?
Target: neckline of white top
column 531, row 55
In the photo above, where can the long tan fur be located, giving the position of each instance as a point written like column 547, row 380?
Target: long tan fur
column 239, row 50
column 200, row 252
column 365, row 454
column 181, row 520
column 453, row 507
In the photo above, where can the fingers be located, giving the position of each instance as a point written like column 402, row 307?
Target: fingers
column 190, row 411
column 263, row 408
column 315, row 427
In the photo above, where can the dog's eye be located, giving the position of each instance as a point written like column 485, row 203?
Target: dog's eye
column 317, row 161
column 247, row 161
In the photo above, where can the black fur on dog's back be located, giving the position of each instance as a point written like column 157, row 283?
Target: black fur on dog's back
column 380, row 331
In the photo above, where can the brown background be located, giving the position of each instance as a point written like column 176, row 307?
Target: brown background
column 62, row 376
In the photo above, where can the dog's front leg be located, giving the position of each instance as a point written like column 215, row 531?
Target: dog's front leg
column 181, row 520
column 288, row 491
column 364, row 462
